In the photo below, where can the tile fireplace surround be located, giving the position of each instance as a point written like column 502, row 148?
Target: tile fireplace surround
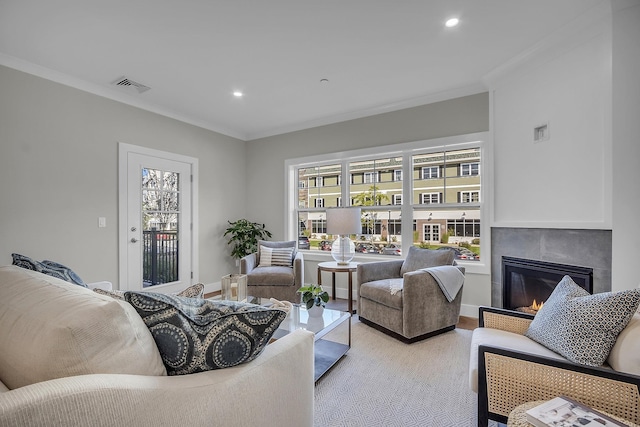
column 586, row 248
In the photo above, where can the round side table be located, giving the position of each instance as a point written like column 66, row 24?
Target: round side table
column 334, row 268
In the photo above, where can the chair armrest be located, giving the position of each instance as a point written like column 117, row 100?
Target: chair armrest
column 248, row 263
column 298, row 269
column 506, row 320
column 508, row 378
column 379, row 270
column 420, row 290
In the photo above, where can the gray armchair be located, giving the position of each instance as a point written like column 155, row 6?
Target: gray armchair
column 418, row 309
column 274, row 281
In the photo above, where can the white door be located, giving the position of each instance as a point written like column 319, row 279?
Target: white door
column 431, row 233
column 156, row 224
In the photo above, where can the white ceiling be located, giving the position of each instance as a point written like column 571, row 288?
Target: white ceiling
column 378, row 55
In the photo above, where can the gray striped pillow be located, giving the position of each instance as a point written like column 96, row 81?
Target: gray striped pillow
column 275, row 256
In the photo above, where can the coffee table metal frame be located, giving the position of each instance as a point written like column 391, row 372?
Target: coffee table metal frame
column 327, row 352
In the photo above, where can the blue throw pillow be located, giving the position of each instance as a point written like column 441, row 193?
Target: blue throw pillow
column 50, row 268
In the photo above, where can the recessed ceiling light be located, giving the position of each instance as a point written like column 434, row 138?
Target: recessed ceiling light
column 238, row 94
column 452, row 22
column 324, row 80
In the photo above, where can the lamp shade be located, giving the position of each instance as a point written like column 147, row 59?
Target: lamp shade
column 343, row 221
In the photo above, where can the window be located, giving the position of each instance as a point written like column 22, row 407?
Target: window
column 430, row 172
column 469, row 169
column 318, row 182
column 370, row 177
column 318, row 226
column 429, row 198
column 469, row 196
column 441, row 177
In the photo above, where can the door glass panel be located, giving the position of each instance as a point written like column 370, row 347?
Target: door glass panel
column 160, row 218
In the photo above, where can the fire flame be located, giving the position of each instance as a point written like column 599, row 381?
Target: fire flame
column 535, row 306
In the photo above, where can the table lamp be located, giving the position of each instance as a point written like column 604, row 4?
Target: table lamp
column 343, row 222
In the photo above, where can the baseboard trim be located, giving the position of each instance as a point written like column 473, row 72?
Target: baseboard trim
column 468, row 310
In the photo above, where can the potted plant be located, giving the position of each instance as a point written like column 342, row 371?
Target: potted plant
column 244, row 235
column 314, row 298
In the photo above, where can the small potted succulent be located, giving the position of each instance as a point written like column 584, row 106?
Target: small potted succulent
column 314, row 298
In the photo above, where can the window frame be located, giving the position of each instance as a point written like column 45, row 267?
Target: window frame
column 469, row 166
column 481, row 140
column 374, row 177
column 470, row 193
column 429, row 168
column 431, row 194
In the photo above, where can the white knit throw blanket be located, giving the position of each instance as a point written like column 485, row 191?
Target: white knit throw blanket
column 449, row 278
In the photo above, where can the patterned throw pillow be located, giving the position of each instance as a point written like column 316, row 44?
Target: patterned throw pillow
column 51, row 268
column 195, row 335
column 275, row 256
column 422, row 258
column 582, row 327
column 193, row 291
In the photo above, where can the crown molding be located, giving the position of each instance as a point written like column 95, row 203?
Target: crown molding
column 471, row 89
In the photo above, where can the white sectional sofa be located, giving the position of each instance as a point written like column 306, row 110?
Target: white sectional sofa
column 72, row 357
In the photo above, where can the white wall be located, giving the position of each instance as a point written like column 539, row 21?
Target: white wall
column 586, row 176
column 626, row 143
column 266, row 163
column 59, row 173
column 563, row 182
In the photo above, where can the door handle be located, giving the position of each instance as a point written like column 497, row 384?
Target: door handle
column 134, row 240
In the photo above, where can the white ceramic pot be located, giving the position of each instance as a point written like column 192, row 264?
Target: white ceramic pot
column 316, row 311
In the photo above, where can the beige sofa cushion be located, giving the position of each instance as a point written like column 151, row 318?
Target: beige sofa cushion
column 503, row 339
column 625, row 354
column 51, row 329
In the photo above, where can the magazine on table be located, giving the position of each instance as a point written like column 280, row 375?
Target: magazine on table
column 564, row 412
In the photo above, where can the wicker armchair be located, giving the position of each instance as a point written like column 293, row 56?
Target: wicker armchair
column 507, row 378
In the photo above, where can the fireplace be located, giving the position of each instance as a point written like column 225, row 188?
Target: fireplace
column 524, row 281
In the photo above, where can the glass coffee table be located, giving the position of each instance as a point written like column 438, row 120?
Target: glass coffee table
column 332, row 332
column 332, row 335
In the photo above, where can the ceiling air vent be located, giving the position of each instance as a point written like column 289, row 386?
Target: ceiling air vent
column 126, row 83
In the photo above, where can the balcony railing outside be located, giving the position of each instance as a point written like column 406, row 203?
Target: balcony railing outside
column 160, row 257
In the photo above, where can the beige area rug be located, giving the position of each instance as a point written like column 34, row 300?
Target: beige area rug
column 383, row 382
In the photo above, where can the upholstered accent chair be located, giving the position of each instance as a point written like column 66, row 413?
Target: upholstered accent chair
column 275, row 271
column 403, row 297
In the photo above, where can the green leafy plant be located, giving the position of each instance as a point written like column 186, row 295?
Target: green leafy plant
column 244, row 235
column 313, row 295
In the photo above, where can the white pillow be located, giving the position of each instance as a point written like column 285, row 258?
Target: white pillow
column 275, row 256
